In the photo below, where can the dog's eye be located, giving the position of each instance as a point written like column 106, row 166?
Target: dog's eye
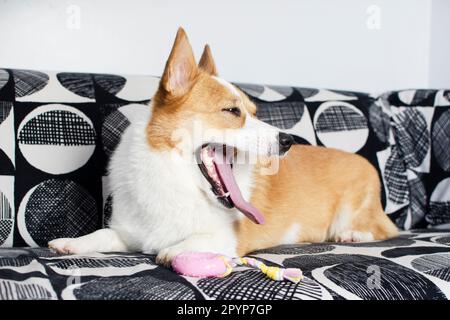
column 236, row 111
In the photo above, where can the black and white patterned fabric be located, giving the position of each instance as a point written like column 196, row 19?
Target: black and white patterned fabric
column 65, row 209
column 404, row 134
column 58, row 130
column 420, row 127
column 415, row 265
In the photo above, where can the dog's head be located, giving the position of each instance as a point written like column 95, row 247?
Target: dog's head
column 197, row 113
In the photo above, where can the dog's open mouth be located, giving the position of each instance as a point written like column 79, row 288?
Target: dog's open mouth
column 215, row 162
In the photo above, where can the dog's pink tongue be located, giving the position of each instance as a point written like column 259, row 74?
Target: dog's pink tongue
column 226, row 175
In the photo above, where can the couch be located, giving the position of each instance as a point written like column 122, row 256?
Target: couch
column 58, row 130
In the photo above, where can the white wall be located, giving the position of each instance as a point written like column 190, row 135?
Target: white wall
column 323, row 43
column 439, row 67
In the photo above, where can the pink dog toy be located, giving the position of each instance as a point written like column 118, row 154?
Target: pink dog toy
column 211, row 265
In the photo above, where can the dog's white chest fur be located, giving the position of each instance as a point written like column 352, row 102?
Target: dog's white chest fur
column 156, row 201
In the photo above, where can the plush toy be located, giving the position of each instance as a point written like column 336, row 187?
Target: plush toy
column 209, row 265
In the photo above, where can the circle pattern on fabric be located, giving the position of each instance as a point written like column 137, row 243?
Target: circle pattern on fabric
column 439, row 211
column 6, row 228
column 307, row 92
column 341, row 125
column 56, row 209
column 417, row 203
column 139, row 88
column 134, row 288
column 412, row 136
column 447, row 95
column 282, row 90
column 33, row 288
column 396, row 178
column 116, row 122
column 6, row 218
column 112, row 129
column 4, row 77
column 266, row 93
column 252, row 89
column 111, row 263
column 344, row 93
column 253, row 285
column 5, row 109
column 28, row 82
column 443, row 240
column 437, row 265
column 283, row 115
column 415, row 97
column 107, row 210
column 79, row 83
column 296, row 249
column 380, row 122
column 110, row 83
column 56, row 138
column 441, row 140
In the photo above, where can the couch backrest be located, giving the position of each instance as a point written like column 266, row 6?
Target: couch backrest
column 404, row 134
column 419, row 159
column 58, row 129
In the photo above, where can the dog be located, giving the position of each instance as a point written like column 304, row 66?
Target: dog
column 173, row 195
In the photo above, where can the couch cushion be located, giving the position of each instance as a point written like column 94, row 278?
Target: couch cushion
column 404, row 134
column 420, row 147
column 57, row 130
column 415, row 265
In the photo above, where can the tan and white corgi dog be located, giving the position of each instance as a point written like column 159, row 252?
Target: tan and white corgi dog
column 173, row 193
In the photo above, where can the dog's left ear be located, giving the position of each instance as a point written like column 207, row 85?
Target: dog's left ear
column 207, row 62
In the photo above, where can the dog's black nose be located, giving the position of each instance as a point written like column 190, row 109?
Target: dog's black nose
column 285, row 140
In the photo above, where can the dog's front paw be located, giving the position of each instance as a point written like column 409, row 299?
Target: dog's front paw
column 68, row 246
column 60, row 245
column 165, row 256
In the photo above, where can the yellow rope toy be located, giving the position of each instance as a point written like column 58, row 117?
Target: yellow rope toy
column 294, row 275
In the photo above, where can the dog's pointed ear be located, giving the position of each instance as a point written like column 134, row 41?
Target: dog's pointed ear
column 207, row 62
column 181, row 68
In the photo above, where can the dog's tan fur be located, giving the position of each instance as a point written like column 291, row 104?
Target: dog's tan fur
column 312, row 187
column 315, row 187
